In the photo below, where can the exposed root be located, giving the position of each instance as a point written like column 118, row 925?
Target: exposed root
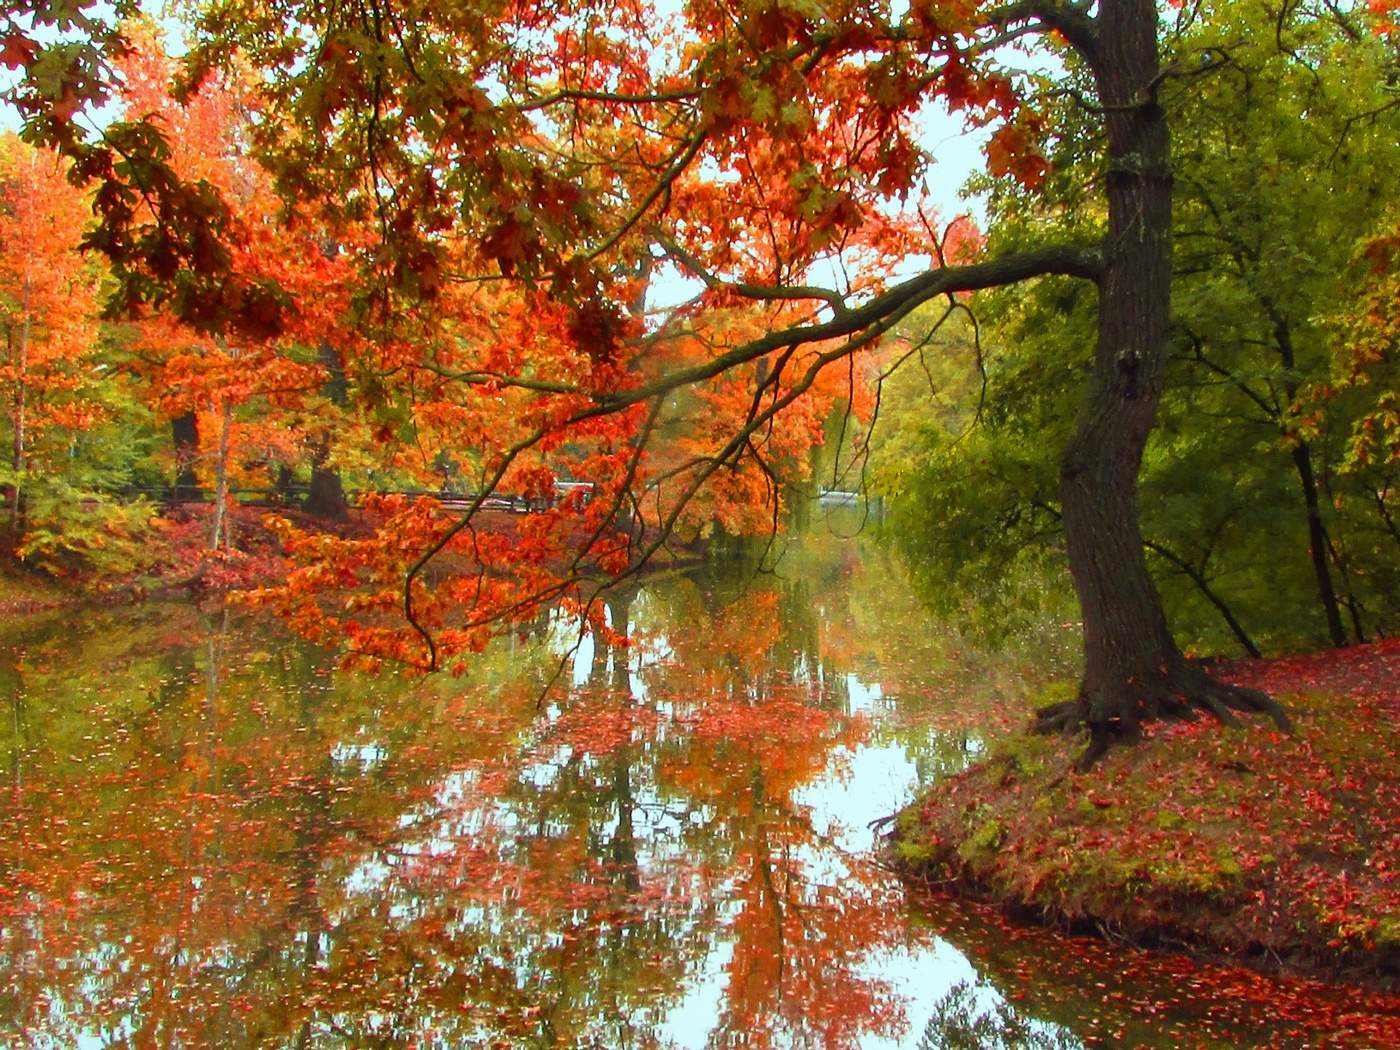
column 1115, row 715
column 1063, row 717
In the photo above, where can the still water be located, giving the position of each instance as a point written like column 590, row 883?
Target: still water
column 212, row 837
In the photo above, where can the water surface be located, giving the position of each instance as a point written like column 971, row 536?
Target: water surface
column 211, row 836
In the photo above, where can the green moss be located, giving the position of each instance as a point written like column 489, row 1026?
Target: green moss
column 1226, row 863
column 911, row 842
column 984, row 840
column 1086, row 809
column 1055, row 693
column 1027, row 756
column 1388, row 930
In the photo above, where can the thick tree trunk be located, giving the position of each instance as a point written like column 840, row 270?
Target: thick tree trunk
column 184, row 432
column 326, row 496
column 1133, row 670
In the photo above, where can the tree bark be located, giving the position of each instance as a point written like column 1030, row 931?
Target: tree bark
column 325, row 497
column 1133, row 669
column 184, row 432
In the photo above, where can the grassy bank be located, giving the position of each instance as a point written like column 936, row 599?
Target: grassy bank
column 1280, row 851
column 25, row 592
column 170, row 556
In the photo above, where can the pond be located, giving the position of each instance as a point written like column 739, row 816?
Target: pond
column 212, row 836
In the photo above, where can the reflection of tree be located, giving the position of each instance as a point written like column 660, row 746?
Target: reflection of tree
column 805, row 926
column 182, row 837
column 961, row 1022
column 211, row 837
column 761, row 696
column 221, row 840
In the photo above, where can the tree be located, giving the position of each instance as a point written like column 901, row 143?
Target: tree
column 57, row 396
column 1273, row 205
column 44, row 288
column 567, row 150
column 1256, row 533
column 203, row 381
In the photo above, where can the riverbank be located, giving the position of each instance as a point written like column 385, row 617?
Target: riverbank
column 26, row 592
column 1281, row 852
column 173, row 559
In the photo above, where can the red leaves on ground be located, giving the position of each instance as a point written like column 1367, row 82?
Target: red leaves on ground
column 1247, row 842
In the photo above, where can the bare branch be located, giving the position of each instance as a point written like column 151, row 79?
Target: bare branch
column 776, row 292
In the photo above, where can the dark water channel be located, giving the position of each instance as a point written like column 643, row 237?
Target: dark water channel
column 210, row 836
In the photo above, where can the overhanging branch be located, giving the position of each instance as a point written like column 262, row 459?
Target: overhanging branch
column 1064, row 260
column 1070, row 20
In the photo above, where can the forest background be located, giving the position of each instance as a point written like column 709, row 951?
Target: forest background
column 1268, row 487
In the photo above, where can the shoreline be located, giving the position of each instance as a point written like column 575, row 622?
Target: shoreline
column 1281, row 853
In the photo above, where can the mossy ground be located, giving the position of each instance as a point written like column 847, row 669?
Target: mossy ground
column 22, row 592
column 1279, row 850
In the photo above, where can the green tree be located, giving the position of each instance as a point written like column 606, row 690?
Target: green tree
column 1242, row 480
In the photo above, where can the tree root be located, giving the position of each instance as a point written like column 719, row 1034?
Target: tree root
column 1182, row 693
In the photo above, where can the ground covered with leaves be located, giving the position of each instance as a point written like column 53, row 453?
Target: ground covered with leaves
column 1282, row 851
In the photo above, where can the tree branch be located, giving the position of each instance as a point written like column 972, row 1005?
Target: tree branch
column 1065, row 260
column 1072, row 21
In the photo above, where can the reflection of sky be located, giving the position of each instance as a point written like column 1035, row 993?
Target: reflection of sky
column 822, row 834
column 858, row 786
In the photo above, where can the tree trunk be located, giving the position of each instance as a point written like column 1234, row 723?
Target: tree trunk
column 184, row 432
column 1318, row 543
column 21, row 360
column 1133, row 669
column 218, row 522
column 325, row 497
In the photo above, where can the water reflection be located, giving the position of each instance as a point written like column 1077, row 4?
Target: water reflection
column 211, row 837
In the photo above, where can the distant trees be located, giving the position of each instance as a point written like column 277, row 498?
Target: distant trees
column 48, row 310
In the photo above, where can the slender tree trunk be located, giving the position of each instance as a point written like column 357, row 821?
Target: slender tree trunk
column 1318, row 542
column 1133, row 669
column 282, row 487
column 1198, row 577
column 21, row 357
column 221, row 477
